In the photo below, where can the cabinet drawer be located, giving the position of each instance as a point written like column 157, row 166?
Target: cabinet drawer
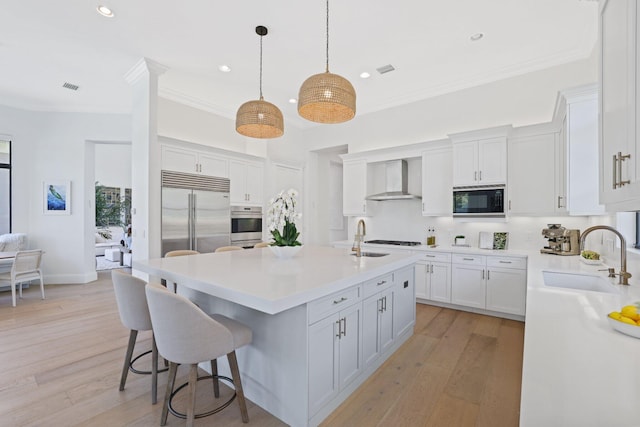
column 376, row 285
column 507, row 262
column 436, row 256
column 325, row 306
column 469, row 259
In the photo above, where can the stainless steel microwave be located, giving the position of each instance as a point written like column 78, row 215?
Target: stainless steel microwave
column 479, row 201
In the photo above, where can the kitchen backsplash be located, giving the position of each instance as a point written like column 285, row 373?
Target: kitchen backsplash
column 403, row 220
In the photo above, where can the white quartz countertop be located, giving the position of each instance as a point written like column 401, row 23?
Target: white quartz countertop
column 257, row 279
column 577, row 370
column 439, row 248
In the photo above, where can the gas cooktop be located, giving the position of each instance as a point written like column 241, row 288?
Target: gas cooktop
column 393, row 242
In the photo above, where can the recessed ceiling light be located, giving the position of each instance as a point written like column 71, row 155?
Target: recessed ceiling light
column 224, row 68
column 476, row 37
column 293, row 101
column 105, row 11
column 365, row 75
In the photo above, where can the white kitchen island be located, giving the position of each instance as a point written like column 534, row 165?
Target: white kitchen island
column 322, row 321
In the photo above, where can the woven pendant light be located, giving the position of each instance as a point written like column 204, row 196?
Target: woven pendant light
column 260, row 119
column 327, row 97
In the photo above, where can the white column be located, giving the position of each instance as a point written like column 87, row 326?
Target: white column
column 145, row 159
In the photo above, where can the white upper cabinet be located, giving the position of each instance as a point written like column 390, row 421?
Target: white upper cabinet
column 480, row 157
column 437, row 182
column 354, row 193
column 190, row 161
column 619, row 105
column 533, row 174
column 247, row 183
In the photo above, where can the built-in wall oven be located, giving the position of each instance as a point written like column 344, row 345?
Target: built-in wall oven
column 246, row 226
column 479, row 201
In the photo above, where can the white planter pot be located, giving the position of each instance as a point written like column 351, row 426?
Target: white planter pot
column 285, row 252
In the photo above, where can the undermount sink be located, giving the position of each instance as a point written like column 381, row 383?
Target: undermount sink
column 371, row 254
column 584, row 282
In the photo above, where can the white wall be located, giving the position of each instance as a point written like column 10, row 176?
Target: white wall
column 522, row 100
column 113, row 165
column 50, row 146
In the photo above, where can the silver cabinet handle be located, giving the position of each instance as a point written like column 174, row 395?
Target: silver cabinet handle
column 622, row 159
column 482, row 274
column 488, row 272
column 364, row 208
column 560, row 202
column 339, row 323
column 431, row 268
column 340, row 300
column 509, row 204
column 423, row 206
column 475, row 176
column 382, row 283
column 344, row 332
column 381, row 305
column 385, row 303
column 504, row 262
column 468, row 259
column 480, row 176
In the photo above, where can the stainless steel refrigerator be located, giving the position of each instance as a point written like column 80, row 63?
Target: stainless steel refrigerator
column 195, row 212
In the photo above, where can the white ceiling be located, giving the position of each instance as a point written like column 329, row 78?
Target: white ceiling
column 45, row 43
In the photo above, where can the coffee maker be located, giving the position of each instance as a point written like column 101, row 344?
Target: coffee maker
column 561, row 241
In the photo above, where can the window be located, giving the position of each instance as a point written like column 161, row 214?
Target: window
column 5, row 187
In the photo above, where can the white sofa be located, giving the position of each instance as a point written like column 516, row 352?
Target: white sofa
column 13, row 242
column 114, row 243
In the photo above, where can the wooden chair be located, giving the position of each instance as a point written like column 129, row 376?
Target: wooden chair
column 261, row 245
column 228, row 248
column 187, row 336
column 178, row 252
column 134, row 315
column 26, row 266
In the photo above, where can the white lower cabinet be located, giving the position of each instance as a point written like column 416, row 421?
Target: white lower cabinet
column 497, row 284
column 493, row 283
column 334, row 355
column 404, row 301
column 377, row 317
column 468, row 286
column 506, row 285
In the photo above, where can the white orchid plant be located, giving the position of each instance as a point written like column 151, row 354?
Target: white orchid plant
column 281, row 217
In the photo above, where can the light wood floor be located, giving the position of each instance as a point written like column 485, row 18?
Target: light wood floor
column 60, row 362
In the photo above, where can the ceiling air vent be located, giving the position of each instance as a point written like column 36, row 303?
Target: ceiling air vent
column 385, row 69
column 71, row 86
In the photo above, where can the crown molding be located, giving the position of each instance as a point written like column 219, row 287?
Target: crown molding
column 142, row 67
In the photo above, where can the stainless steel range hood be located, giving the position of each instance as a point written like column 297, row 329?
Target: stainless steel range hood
column 396, row 182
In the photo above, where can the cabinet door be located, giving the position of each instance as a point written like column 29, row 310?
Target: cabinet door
column 506, row 290
column 213, row 166
column 468, row 285
column 386, row 320
column 350, row 364
column 255, row 184
column 238, row 176
column 404, row 301
column 465, row 163
column 532, row 175
column 370, row 329
column 618, row 94
column 354, row 188
column 440, row 281
column 179, row 159
column 437, row 182
column 323, row 357
column 422, row 281
column 492, row 161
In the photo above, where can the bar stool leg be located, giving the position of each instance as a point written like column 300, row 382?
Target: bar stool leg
column 171, row 380
column 191, row 406
column 127, row 358
column 154, row 371
column 214, row 374
column 235, row 374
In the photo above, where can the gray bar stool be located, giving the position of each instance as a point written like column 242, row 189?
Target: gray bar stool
column 178, row 252
column 134, row 314
column 187, row 335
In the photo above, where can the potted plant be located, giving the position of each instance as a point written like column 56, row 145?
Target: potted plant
column 281, row 218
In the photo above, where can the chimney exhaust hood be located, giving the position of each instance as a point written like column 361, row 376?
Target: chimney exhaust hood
column 396, row 183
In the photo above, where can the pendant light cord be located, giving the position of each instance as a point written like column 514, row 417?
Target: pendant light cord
column 327, row 36
column 261, row 67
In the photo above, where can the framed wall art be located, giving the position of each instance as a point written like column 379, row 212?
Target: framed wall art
column 57, row 197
